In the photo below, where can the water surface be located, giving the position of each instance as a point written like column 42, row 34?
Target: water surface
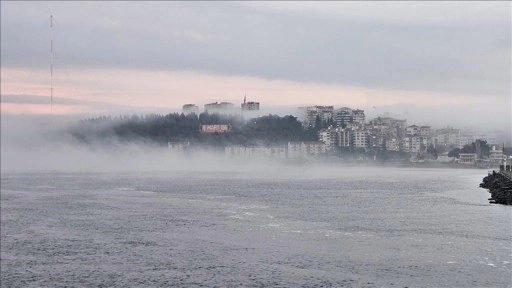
column 278, row 226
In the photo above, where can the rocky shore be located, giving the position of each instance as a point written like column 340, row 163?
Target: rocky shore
column 500, row 187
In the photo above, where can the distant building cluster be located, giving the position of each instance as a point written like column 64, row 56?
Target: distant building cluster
column 294, row 150
column 348, row 128
column 222, row 107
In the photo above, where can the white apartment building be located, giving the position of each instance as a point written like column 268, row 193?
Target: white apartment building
column 393, row 144
column 328, row 137
column 221, row 108
column 359, row 117
column 239, row 151
column 496, row 154
column 190, row 108
column 414, row 144
column 467, row 158
column 359, row 139
column 177, row 147
column 449, row 137
column 412, row 130
column 425, row 131
column 234, row 151
column 307, row 115
column 344, row 137
column 305, row 149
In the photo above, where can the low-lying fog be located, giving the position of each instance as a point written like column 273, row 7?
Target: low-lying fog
column 41, row 143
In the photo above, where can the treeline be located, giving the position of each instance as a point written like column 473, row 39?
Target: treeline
column 479, row 147
column 175, row 127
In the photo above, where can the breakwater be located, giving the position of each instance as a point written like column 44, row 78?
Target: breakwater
column 499, row 185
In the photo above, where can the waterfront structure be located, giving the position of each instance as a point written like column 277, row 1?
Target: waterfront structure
column 239, row 151
column 467, row 158
column 444, row 158
column 215, row 128
column 178, row 147
column 496, row 154
column 305, row 149
column 221, row 108
column 190, row 108
column 234, row 151
column 499, row 184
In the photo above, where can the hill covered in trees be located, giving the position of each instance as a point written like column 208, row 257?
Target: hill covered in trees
column 160, row 129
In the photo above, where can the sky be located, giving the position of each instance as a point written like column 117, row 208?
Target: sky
column 434, row 63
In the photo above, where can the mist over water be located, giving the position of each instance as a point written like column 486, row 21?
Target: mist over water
column 133, row 214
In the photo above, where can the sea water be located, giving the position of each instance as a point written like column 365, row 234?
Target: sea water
column 278, row 226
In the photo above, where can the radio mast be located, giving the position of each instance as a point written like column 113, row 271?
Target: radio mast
column 51, row 64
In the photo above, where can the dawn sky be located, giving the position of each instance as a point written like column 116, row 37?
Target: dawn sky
column 439, row 56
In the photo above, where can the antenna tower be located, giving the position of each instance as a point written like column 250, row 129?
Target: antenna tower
column 51, row 64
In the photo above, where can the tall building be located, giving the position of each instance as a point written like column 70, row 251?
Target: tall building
column 343, row 116
column 359, row 139
column 221, row 108
column 359, row 118
column 412, row 130
column 343, row 137
column 307, row 115
column 190, row 108
column 250, row 106
column 328, row 137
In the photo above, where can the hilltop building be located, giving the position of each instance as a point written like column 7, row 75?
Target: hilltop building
column 250, row 106
column 221, row 108
column 307, row 115
column 359, row 117
column 190, row 108
column 343, row 116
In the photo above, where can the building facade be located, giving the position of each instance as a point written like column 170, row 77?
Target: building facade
column 221, row 108
column 215, row 128
column 190, row 108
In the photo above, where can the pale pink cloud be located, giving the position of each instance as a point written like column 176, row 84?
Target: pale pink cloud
column 25, row 108
column 167, row 89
